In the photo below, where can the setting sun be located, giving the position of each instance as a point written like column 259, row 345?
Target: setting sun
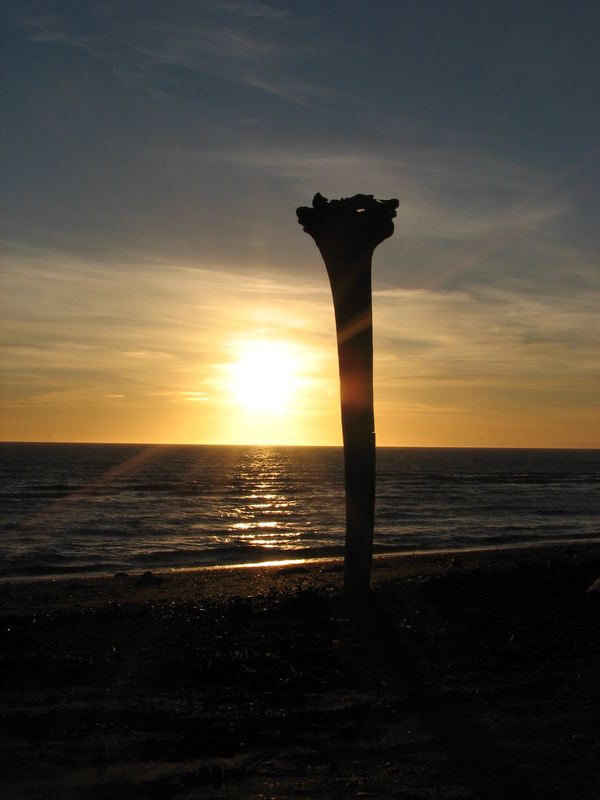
column 265, row 376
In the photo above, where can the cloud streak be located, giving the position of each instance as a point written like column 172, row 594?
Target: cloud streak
column 250, row 44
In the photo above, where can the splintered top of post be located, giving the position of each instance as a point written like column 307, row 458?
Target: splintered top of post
column 361, row 218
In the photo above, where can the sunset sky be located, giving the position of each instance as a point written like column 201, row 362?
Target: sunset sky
column 153, row 156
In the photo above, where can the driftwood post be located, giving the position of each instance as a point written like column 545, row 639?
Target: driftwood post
column 347, row 231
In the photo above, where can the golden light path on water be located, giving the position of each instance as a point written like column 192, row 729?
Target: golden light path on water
column 265, row 515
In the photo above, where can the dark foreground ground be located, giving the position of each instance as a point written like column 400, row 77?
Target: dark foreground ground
column 470, row 676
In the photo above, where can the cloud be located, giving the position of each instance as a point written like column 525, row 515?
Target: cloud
column 251, row 44
column 250, row 9
column 463, row 217
column 450, row 195
column 494, row 339
column 69, row 324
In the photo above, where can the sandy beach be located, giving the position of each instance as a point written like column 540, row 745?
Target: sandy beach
column 470, row 675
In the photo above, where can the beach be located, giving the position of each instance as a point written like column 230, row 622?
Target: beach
column 469, row 675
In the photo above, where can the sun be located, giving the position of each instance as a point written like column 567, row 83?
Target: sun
column 265, row 376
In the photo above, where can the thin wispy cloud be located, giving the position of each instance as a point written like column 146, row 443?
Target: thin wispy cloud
column 445, row 195
column 253, row 45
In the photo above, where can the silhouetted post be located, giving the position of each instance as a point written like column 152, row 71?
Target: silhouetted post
column 347, row 231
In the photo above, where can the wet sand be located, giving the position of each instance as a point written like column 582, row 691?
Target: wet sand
column 470, row 675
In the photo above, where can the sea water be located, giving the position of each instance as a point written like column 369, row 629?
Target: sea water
column 70, row 509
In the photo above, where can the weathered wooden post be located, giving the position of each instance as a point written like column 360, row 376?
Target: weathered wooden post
column 347, row 231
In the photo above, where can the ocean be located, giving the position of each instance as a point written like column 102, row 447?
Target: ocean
column 70, row 509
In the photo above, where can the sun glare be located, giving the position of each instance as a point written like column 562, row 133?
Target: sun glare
column 265, row 376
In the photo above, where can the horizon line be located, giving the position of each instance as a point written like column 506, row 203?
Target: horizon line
column 297, row 446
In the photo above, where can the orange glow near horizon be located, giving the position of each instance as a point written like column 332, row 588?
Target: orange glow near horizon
column 261, row 368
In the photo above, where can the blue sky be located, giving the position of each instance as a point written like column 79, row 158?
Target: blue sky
column 153, row 156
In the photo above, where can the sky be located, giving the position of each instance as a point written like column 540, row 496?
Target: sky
column 153, row 155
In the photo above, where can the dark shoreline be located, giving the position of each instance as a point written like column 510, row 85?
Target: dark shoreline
column 473, row 674
column 297, row 559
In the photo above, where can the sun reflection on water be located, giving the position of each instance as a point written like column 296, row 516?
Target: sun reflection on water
column 266, row 516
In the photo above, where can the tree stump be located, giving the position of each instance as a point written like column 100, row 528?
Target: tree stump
column 347, row 231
